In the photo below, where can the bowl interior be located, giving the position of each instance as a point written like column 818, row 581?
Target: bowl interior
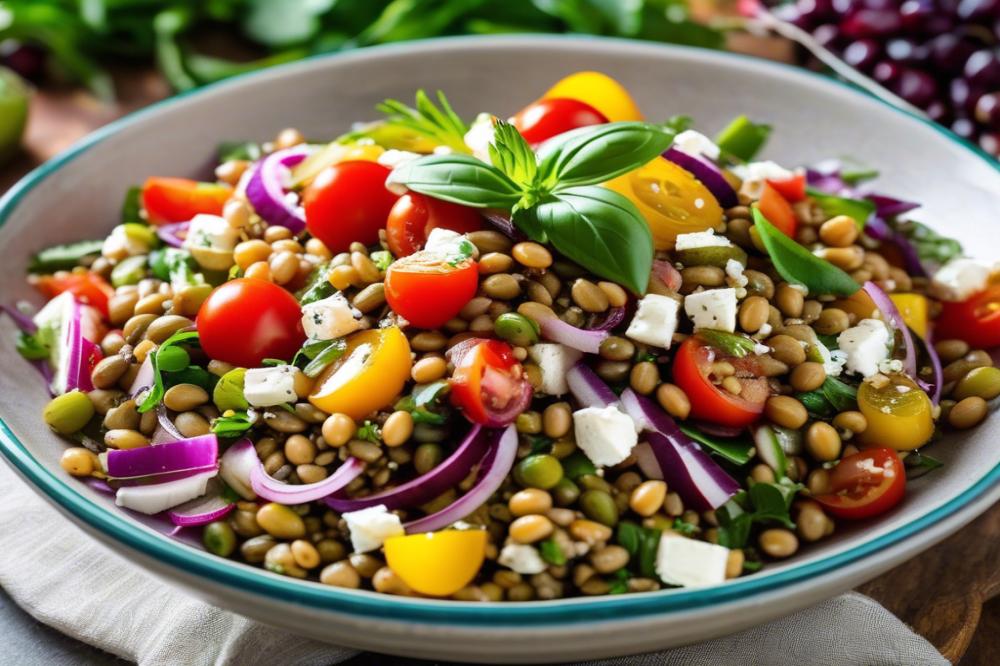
column 79, row 195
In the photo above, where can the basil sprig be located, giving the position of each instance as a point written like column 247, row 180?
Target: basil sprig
column 553, row 195
column 800, row 266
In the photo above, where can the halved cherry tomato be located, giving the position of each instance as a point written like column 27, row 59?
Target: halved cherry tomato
column 88, row 288
column 368, row 377
column 899, row 414
column 692, row 373
column 793, row 189
column 179, row 199
column 976, row 320
column 427, row 289
column 488, row 385
column 245, row 321
column 777, row 210
column 865, row 484
column 437, row 563
column 599, row 91
column 348, row 202
column 414, row 216
column 548, row 117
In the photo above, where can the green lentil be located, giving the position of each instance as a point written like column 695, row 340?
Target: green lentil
column 219, row 538
column 599, row 506
column 516, row 329
column 538, row 471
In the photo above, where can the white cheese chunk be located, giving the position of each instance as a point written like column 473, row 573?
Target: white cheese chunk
column 699, row 239
column 211, row 231
column 370, row 527
column 605, row 434
column 690, row 563
column 734, row 274
column 267, row 387
column 522, row 558
column 696, row 143
column 554, row 360
column 655, row 321
column 480, row 136
column 156, row 497
column 961, row 278
column 865, row 345
column 330, row 318
column 833, row 361
column 713, row 308
column 755, row 174
column 393, row 158
column 450, row 244
column 120, row 244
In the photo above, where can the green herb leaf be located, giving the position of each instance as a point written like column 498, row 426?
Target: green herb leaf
column 772, row 501
column 552, row 553
column 642, row 544
column 460, row 179
column 576, row 465
column 931, row 246
column 602, row 231
column 742, row 138
column 425, row 402
column 132, row 206
column 232, row 426
column 330, row 353
column 64, row 257
column 735, row 449
column 510, row 153
column 619, row 582
column 31, row 347
column 174, row 265
column 682, row 527
column 228, row 392
column 440, row 125
column 155, row 394
column 369, row 432
column 382, row 259
column 917, row 464
column 732, row 344
column 841, row 395
column 857, row 209
column 248, row 151
column 765, row 503
column 800, row 266
column 318, row 285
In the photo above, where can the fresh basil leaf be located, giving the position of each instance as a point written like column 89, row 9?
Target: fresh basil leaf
column 424, row 400
column 234, row 425
column 641, row 544
column 64, row 257
column 510, row 153
column 841, row 395
column 772, row 502
column 460, row 179
column 31, row 347
column 742, row 138
column 731, row 343
column 800, row 266
column 318, row 285
column 857, row 209
column 734, row 449
column 917, row 464
column 598, row 153
column 602, row 231
column 816, row 404
column 330, row 353
column 310, row 349
column 247, row 151
column 552, row 553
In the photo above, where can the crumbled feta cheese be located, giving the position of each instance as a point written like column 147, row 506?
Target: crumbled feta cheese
column 330, row 318
column 120, row 244
column 765, row 330
column 605, row 434
column 734, row 274
column 655, row 321
column 554, row 361
column 211, row 231
column 713, row 308
column 833, row 361
column 154, row 498
column 480, row 136
column 450, row 243
column 522, row 558
column 393, row 158
column 267, row 387
column 698, row 239
column 961, row 278
column 889, row 366
column 865, row 345
column 759, row 349
column 690, row 563
column 370, row 527
column 754, row 174
column 696, row 143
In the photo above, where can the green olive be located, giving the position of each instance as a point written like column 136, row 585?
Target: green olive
column 565, row 492
column 599, row 506
column 538, row 471
column 129, row 271
column 711, row 256
column 68, row 413
column 981, row 382
column 516, row 329
column 219, row 538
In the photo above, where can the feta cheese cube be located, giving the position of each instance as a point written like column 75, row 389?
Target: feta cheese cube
column 713, row 308
column 734, row 274
column 522, row 558
column 961, row 278
column 833, row 361
column 754, row 174
column 698, row 239
column 330, row 318
column 370, row 527
column 605, row 434
column 154, row 498
column 690, row 563
column 655, row 321
column 865, row 345
column 480, row 136
column 696, row 143
column 267, row 387
column 393, row 158
column 554, row 360
column 211, row 231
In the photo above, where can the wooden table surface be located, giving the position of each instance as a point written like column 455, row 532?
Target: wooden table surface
column 946, row 594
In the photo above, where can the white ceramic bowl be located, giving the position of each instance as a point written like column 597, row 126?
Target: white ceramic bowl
column 78, row 195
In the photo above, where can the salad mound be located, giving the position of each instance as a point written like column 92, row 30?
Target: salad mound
column 576, row 352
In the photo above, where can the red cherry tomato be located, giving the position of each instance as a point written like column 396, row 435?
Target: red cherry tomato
column 179, row 199
column 976, row 320
column 865, row 484
column 692, row 372
column 427, row 290
column 88, row 288
column 348, row 202
column 245, row 321
column 489, row 385
column 793, row 189
column 414, row 216
column 546, row 118
column 777, row 210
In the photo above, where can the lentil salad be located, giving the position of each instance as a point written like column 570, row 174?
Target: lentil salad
column 431, row 365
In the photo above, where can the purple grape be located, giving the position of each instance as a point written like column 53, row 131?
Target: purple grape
column 886, row 72
column 862, row 54
column 871, row 23
column 964, row 128
column 990, row 142
column 937, row 111
column 983, row 68
column 987, row 110
column 916, row 87
column 978, row 10
column 906, row 51
column 949, row 52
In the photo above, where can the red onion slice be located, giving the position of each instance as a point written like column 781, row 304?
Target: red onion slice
column 79, row 356
column 186, row 454
column 143, row 379
column 276, row 491
column 588, row 341
column 880, row 230
column 266, row 189
column 165, row 431
column 236, row 465
column 588, row 389
column 709, row 175
column 892, row 317
column 205, row 509
column 646, row 460
column 495, row 467
column 886, row 206
column 611, row 318
column 168, row 233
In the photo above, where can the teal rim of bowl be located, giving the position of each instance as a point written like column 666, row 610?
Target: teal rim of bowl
column 244, row 578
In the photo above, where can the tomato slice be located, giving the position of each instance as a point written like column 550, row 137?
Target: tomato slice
column 777, row 210
column 414, row 216
column 179, row 199
column 88, row 288
column 427, row 289
column 793, row 189
column 488, row 385
column 347, row 203
column 976, row 320
column 865, row 484
column 692, row 370
column 599, row 91
column 547, row 118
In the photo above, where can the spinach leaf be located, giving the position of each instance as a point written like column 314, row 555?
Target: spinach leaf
column 642, row 544
column 857, row 209
column 736, row 449
column 917, row 464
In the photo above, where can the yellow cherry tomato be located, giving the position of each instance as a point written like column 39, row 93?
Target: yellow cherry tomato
column 601, row 92
column 913, row 308
column 437, row 563
column 898, row 414
column 670, row 198
column 368, row 377
column 333, row 153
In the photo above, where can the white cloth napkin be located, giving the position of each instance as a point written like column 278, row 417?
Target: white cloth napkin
column 67, row 580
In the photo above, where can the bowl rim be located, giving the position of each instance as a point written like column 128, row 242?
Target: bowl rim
column 117, row 526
